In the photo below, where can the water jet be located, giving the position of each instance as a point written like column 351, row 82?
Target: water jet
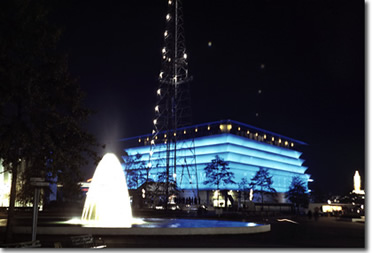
column 107, row 203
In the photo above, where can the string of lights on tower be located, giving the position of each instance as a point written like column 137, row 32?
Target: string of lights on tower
column 173, row 107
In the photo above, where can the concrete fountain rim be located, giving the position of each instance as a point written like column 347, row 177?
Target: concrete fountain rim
column 222, row 230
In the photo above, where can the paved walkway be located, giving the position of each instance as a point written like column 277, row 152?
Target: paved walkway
column 300, row 232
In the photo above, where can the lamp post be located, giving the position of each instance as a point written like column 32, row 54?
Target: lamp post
column 38, row 183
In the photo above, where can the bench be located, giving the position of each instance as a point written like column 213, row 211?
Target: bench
column 28, row 244
column 86, row 241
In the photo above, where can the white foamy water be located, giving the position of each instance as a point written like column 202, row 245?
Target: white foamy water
column 107, row 203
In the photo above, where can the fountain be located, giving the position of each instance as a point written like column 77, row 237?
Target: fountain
column 107, row 211
column 107, row 203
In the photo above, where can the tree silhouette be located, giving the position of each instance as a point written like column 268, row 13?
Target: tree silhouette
column 297, row 193
column 244, row 188
column 262, row 183
column 161, row 187
column 135, row 171
column 217, row 173
column 41, row 112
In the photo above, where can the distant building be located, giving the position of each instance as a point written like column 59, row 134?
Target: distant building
column 246, row 149
column 5, row 183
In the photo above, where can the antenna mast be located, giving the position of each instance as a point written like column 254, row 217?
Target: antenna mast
column 173, row 108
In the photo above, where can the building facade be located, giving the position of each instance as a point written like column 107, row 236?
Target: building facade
column 246, row 149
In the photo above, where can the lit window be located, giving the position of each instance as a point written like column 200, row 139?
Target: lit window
column 196, row 130
column 286, row 143
column 147, row 139
column 264, row 136
column 139, row 140
column 156, row 137
column 174, row 134
column 221, row 127
column 330, row 208
column 248, row 132
column 272, row 139
column 209, row 128
column 292, row 144
column 256, row 134
column 238, row 128
column 229, row 127
column 165, row 136
column 280, row 140
column 184, row 131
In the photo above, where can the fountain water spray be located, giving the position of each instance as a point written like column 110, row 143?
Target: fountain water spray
column 107, row 203
column 107, row 206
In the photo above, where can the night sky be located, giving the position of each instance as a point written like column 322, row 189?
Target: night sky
column 306, row 57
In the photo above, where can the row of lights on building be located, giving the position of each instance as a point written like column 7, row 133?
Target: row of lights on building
column 229, row 127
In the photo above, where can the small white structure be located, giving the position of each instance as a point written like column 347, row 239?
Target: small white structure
column 357, row 184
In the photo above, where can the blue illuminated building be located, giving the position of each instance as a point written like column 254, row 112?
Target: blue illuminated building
column 246, row 149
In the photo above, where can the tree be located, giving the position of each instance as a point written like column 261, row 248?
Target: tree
column 135, row 171
column 161, row 187
column 244, row 189
column 41, row 110
column 262, row 183
column 217, row 173
column 297, row 193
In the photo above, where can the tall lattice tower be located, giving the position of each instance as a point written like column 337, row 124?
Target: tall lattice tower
column 173, row 107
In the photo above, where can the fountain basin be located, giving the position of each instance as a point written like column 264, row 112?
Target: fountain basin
column 154, row 226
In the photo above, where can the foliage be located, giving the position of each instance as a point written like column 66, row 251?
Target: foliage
column 262, row 182
column 217, row 173
column 297, row 193
column 135, row 171
column 161, row 184
column 244, row 189
column 41, row 110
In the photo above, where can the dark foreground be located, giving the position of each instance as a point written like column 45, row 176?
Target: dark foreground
column 326, row 232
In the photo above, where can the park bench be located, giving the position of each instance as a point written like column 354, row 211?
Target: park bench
column 86, row 241
column 28, row 244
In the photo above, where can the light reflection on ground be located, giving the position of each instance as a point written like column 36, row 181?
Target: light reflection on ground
column 3, row 222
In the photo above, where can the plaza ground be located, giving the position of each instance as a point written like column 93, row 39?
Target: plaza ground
column 292, row 232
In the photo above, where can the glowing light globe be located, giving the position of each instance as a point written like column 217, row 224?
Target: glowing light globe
column 107, row 203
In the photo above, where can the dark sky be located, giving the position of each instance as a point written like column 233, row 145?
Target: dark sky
column 312, row 83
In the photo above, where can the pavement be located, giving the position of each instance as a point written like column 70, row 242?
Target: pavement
column 286, row 232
